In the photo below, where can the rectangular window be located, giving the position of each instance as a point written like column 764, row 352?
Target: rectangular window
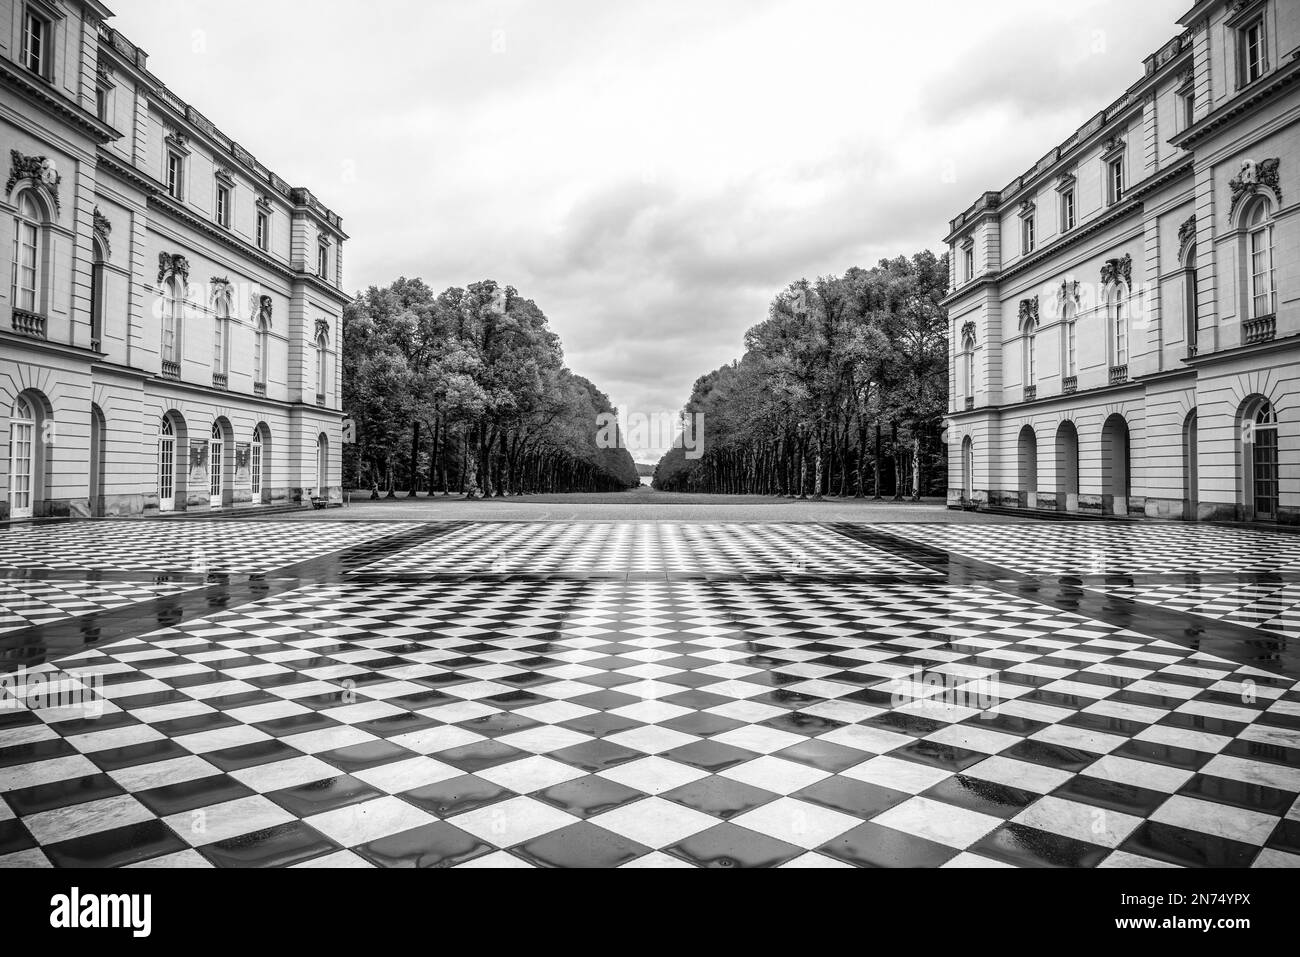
column 1188, row 102
column 970, row 264
column 36, row 44
column 1115, row 179
column 175, row 175
column 1070, row 347
column 219, row 347
column 263, row 231
column 1253, row 61
column 322, row 262
column 223, row 206
column 1027, row 235
column 1067, row 211
column 101, row 103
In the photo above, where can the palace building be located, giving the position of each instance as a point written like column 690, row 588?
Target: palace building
column 170, row 314
column 1125, row 315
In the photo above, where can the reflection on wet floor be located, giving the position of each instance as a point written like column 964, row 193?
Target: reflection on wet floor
column 742, row 695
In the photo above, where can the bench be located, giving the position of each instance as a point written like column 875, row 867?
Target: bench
column 320, row 501
column 968, row 504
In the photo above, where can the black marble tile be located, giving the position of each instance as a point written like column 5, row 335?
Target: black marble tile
column 1026, row 846
column 595, row 755
column 431, row 845
column 116, row 847
column 986, row 797
column 873, row 845
column 189, row 795
column 580, row 845
column 728, row 845
column 57, row 794
column 858, row 798
column 588, row 796
column 329, row 794
column 721, row 797
column 279, row 846
column 1165, row 842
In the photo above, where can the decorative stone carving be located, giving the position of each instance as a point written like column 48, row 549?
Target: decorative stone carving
column 1252, row 176
column 264, row 310
column 968, row 332
column 1113, row 145
column 225, row 175
column 173, row 264
column 1029, row 310
column 1187, row 231
column 179, row 139
column 322, row 329
column 39, row 169
column 102, row 227
column 1027, row 207
column 1117, row 270
column 1068, row 294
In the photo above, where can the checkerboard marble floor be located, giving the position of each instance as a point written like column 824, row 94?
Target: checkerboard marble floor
column 696, row 722
column 192, row 546
column 24, row 603
column 1268, row 606
column 1104, row 548
column 642, row 547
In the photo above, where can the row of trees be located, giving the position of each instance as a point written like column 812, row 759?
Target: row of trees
column 841, row 390
column 466, row 391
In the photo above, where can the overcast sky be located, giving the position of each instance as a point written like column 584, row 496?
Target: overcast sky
column 650, row 172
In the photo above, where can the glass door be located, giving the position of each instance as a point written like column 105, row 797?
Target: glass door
column 1264, row 464
column 255, row 468
column 216, row 463
column 22, row 459
column 166, row 466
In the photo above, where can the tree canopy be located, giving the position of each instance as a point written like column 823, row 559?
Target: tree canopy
column 477, row 374
column 841, row 390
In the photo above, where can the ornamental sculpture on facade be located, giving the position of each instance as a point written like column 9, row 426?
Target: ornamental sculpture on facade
column 38, row 169
column 1117, row 270
column 1252, row 176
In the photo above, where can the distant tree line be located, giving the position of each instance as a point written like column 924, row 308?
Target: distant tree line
column 841, row 391
column 466, row 392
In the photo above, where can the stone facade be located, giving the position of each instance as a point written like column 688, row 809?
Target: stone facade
column 1125, row 315
column 169, row 307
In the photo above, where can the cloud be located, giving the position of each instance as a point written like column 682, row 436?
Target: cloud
column 650, row 172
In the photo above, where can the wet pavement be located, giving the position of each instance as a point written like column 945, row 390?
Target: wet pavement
column 819, row 693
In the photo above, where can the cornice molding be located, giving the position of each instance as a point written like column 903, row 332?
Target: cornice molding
column 89, row 124
column 1234, row 108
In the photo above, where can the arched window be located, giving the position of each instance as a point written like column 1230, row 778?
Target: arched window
column 968, row 365
column 320, row 368
column 1259, row 241
column 22, row 458
column 220, row 326
column 1031, row 353
column 28, row 274
column 1118, row 309
column 173, row 321
column 1191, row 307
column 1069, row 310
column 97, row 297
column 260, row 345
